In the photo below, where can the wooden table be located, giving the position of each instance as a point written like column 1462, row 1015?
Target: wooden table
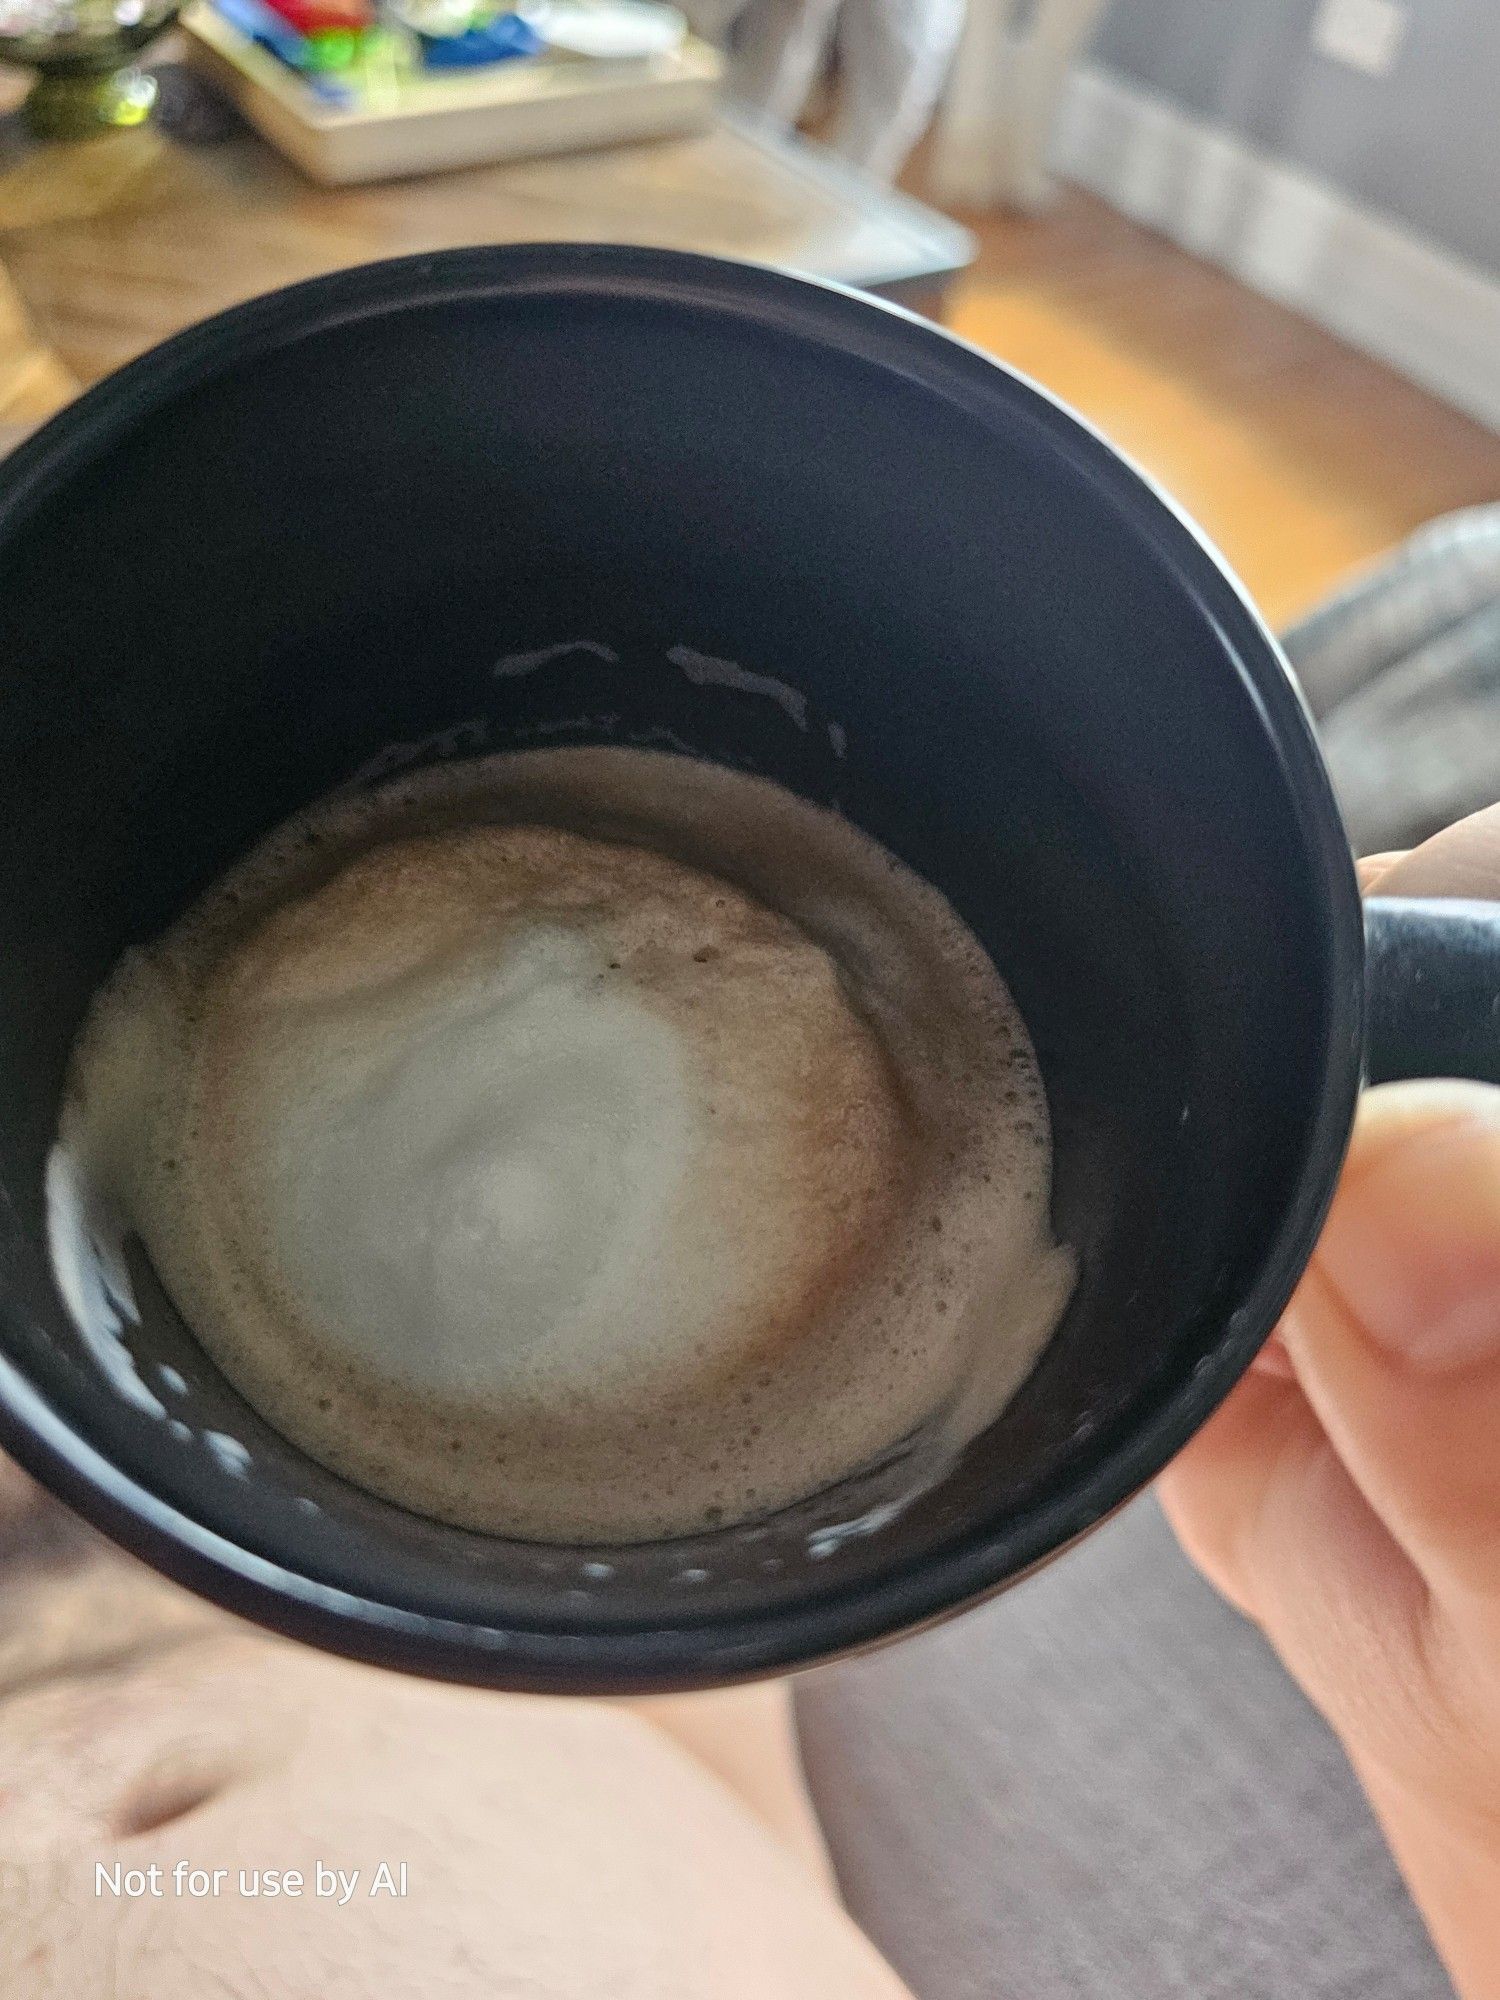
column 112, row 244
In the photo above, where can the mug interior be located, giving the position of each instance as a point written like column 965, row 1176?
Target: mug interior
column 293, row 548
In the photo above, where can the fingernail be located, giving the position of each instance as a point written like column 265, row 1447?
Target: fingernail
column 1413, row 1243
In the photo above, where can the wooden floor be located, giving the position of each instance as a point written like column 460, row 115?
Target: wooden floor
column 1301, row 457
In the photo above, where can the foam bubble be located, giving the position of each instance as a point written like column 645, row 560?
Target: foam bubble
column 580, row 1144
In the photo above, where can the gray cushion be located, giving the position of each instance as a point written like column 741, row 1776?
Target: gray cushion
column 1402, row 670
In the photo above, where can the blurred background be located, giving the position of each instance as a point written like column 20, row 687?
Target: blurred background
column 1258, row 243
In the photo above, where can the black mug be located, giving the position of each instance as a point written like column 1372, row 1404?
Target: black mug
column 288, row 550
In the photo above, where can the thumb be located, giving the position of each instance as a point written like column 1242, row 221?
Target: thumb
column 1394, row 1335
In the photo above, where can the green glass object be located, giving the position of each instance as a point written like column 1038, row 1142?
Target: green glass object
column 82, row 52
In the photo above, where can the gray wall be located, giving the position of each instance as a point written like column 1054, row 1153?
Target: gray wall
column 1422, row 145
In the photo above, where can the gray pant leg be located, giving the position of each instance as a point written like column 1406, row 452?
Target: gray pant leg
column 1104, row 1787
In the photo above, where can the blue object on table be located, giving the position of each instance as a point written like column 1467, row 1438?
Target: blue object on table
column 500, row 40
column 263, row 25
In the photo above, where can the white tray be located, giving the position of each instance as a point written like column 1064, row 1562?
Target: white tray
column 511, row 111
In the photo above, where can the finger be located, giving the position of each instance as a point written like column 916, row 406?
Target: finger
column 1462, row 860
column 1262, row 1504
column 1215, row 1490
column 1224, row 1474
column 1273, row 1359
column 1373, row 869
column 1395, row 1331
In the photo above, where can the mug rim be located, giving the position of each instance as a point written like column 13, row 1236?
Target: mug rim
column 722, row 1650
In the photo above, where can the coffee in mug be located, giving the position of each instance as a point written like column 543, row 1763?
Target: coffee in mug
column 588, row 1144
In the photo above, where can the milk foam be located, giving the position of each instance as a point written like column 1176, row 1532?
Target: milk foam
column 579, row 1144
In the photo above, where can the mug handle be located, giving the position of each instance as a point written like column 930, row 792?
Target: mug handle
column 1432, row 981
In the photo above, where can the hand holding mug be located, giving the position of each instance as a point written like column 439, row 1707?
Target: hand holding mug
column 1347, row 1495
column 632, row 498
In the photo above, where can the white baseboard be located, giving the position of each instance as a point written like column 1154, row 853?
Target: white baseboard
column 1295, row 238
